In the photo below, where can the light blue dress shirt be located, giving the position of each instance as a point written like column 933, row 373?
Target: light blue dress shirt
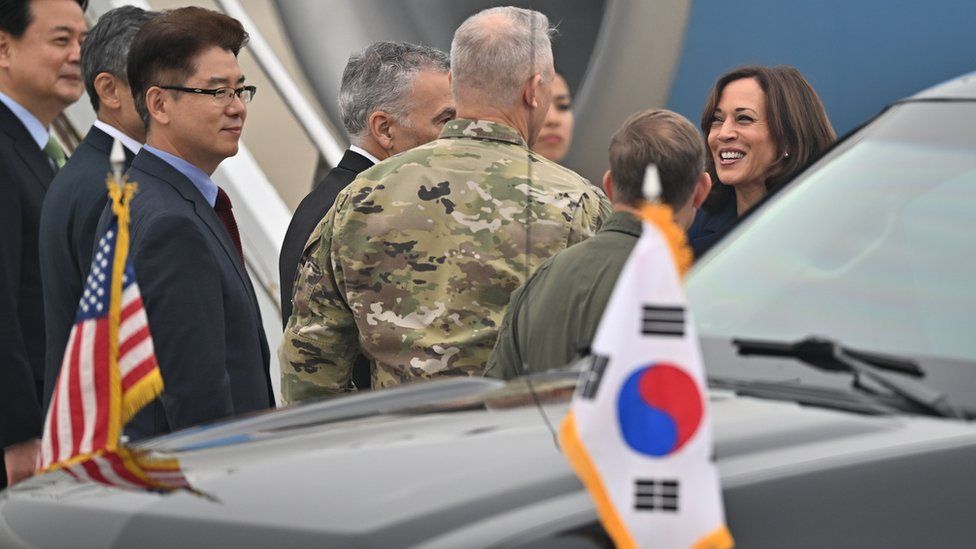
column 33, row 125
column 198, row 177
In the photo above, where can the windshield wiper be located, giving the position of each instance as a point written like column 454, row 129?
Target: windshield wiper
column 827, row 354
column 793, row 391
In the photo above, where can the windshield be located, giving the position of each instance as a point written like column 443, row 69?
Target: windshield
column 872, row 247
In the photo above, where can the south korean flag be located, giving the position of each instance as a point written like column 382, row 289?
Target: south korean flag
column 638, row 430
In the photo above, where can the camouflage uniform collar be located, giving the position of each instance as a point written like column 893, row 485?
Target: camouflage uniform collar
column 482, row 129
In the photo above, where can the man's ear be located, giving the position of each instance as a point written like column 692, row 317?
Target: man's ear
column 608, row 185
column 158, row 103
column 530, row 92
column 702, row 187
column 107, row 88
column 380, row 129
column 6, row 42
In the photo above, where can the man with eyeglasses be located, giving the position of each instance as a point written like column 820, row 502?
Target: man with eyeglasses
column 203, row 313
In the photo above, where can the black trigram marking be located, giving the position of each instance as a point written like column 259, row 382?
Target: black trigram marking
column 663, row 321
column 656, row 495
column 594, row 375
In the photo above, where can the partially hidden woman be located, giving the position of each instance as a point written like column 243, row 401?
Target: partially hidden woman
column 556, row 135
column 763, row 125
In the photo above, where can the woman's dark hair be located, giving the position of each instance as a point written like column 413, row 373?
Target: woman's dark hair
column 796, row 118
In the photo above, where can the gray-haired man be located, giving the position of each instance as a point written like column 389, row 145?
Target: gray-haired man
column 77, row 195
column 414, row 264
column 393, row 97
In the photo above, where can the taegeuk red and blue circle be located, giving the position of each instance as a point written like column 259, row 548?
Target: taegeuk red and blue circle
column 659, row 409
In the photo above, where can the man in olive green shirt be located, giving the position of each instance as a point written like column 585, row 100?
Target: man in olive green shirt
column 554, row 315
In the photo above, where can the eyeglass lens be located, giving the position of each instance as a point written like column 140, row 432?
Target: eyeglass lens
column 225, row 95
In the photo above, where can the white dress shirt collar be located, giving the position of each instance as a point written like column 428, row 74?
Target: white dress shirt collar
column 116, row 133
column 364, row 152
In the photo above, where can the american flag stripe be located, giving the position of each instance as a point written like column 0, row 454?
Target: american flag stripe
column 50, row 438
column 85, row 429
column 103, row 470
column 86, row 386
column 138, row 372
column 74, row 389
column 102, row 398
column 136, row 353
column 93, row 471
column 170, row 478
column 112, row 462
column 63, row 436
column 113, row 469
column 129, row 320
column 134, row 346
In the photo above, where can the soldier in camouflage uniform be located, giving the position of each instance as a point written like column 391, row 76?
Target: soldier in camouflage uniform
column 415, row 263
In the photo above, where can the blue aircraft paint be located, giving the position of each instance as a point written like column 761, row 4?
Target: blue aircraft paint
column 859, row 55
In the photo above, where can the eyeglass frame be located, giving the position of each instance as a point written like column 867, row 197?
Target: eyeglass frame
column 253, row 90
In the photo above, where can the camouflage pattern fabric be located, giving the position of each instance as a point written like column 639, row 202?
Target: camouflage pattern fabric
column 415, row 263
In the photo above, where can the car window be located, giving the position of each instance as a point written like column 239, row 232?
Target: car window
column 872, row 246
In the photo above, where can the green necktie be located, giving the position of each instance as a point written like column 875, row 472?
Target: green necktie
column 54, row 151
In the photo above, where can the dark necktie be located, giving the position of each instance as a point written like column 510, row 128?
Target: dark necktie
column 225, row 212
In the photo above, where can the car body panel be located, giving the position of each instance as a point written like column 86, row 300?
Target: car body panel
column 493, row 476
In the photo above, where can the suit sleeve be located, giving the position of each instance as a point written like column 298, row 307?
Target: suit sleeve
column 83, row 231
column 180, row 283
column 321, row 341
column 20, row 413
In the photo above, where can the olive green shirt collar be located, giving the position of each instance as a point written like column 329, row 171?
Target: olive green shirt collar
column 622, row 222
column 482, row 129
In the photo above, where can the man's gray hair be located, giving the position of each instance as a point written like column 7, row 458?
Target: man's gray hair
column 496, row 50
column 381, row 78
column 107, row 46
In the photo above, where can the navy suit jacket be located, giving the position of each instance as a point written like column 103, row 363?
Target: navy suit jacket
column 307, row 216
column 709, row 226
column 203, row 313
column 25, row 173
column 72, row 207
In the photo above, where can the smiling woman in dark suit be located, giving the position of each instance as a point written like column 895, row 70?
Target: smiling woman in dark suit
column 763, row 125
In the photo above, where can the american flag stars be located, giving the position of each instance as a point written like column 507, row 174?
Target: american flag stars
column 94, row 301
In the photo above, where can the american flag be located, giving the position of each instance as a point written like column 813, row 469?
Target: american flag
column 109, row 373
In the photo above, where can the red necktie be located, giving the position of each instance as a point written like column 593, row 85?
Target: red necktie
column 225, row 212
